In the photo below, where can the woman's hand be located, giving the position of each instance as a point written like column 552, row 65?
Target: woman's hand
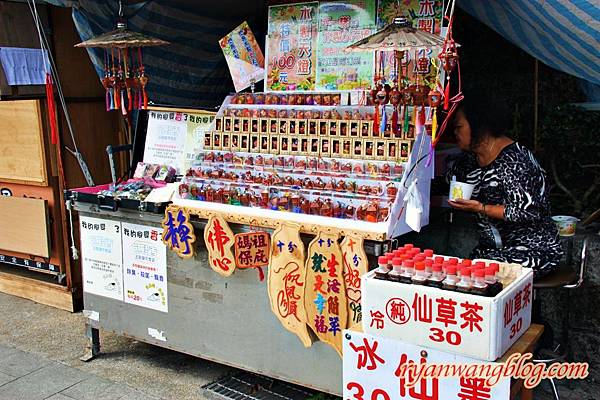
column 466, row 205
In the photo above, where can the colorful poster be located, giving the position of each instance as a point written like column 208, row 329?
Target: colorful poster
column 426, row 15
column 342, row 23
column 102, row 261
column 244, row 57
column 292, row 47
column 144, row 267
column 175, row 138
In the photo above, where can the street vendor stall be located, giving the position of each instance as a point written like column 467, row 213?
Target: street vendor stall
column 311, row 180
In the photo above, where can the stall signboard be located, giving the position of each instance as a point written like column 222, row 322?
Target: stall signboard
column 342, row 23
column 324, row 295
column 372, row 366
column 356, row 264
column 144, row 267
column 286, row 280
column 244, row 56
column 102, row 262
column 174, row 138
column 291, row 47
column 475, row 326
column 426, row 15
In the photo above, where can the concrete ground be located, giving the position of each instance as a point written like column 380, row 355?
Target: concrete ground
column 39, row 359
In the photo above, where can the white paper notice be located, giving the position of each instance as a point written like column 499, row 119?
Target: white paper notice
column 175, row 138
column 102, row 260
column 165, row 141
column 145, row 267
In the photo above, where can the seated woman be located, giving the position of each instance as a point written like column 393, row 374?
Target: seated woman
column 510, row 195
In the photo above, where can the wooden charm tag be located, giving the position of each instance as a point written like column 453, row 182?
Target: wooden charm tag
column 325, row 293
column 286, row 280
column 355, row 265
column 219, row 240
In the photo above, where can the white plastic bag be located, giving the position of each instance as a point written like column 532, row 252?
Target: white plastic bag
column 414, row 207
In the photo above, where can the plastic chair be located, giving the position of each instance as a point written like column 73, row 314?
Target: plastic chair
column 567, row 278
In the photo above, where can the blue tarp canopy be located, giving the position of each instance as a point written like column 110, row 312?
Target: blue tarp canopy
column 192, row 71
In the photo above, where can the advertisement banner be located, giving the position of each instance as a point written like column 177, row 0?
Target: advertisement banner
column 102, row 262
column 342, row 23
column 175, row 138
column 291, row 47
column 425, row 15
column 244, row 57
column 145, row 267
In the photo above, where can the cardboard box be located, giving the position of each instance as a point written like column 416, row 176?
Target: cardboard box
column 371, row 364
column 466, row 324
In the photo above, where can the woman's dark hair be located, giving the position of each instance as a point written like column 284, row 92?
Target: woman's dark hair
column 486, row 117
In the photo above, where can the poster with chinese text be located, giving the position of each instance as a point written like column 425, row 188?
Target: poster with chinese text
column 145, row 267
column 102, row 262
column 244, row 56
column 174, row 138
column 291, row 47
column 372, row 365
column 342, row 23
column 426, row 15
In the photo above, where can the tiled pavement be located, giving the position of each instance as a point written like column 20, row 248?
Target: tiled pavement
column 24, row 376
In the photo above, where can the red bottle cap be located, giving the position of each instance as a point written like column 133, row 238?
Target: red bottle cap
column 451, row 269
column 428, row 262
column 495, row 265
column 420, row 257
column 439, row 259
column 479, row 273
column 382, row 260
column 465, row 271
column 420, row 266
column 479, row 263
column 396, row 261
column 408, row 263
column 437, row 267
column 416, row 249
column 453, row 261
column 490, row 271
column 408, row 246
column 466, row 262
column 428, row 252
column 476, row 267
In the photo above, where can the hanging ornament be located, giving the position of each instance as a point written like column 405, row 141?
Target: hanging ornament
column 124, row 78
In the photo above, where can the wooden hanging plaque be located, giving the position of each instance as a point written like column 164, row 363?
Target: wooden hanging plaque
column 219, row 240
column 252, row 249
column 324, row 296
column 286, row 280
column 355, row 265
column 178, row 232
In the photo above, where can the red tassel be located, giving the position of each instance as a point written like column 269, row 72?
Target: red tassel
column 447, row 97
column 51, row 108
column 422, row 116
column 376, row 119
column 395, row 121
column 261, row 274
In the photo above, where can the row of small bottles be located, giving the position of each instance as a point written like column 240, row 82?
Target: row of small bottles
column 410, row 265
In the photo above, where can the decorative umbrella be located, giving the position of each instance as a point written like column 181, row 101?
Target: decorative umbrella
column 124, row 79
column 397, row 36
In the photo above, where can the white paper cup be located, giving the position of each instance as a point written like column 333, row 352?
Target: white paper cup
column 566, row 224
column 460, row 190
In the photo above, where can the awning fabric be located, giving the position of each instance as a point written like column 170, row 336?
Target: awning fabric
column 562, row 34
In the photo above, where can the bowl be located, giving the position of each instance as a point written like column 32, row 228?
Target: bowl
column 566, row 224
